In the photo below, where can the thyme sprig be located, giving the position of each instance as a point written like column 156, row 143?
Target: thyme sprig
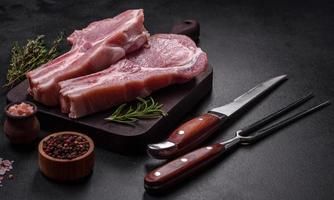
column 145, row 109
column 30, row 56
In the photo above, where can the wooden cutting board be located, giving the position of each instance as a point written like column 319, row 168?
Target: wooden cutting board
column 177, row 101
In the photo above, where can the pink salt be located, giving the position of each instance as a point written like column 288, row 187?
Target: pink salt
column 22, row 109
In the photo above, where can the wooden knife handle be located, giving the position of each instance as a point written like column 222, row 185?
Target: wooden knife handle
column 182, row 167
column 190, row 134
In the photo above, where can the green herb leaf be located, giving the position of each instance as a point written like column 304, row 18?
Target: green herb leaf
column 30, row 56
column 145, row 109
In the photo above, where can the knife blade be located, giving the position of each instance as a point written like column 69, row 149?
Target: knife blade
column 191, row 133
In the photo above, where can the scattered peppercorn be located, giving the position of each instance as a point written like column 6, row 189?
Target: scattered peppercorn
column 65, row 146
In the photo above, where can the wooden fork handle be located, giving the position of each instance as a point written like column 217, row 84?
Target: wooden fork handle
column 182, row 167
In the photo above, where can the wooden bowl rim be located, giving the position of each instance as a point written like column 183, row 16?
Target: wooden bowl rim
column 90, row 150
column 35, row 109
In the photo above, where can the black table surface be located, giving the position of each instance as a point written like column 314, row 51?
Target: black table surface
column 246, row 43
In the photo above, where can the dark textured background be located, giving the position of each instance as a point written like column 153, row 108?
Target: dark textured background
column 246, row 43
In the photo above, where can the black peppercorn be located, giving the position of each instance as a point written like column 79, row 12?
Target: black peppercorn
column 66, row 146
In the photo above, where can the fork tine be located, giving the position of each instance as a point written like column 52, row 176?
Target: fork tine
column 263, row 132
column 247, row 130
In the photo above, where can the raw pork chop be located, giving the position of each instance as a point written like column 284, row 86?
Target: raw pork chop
column 167, row 60
column 94, row 48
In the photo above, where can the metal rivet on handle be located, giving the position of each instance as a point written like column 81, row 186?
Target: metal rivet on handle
column 157, row 173
column 184, row 159
column 180, row 132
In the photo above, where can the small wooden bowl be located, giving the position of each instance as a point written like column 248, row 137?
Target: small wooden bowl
column 21, row 129
column 66, row 170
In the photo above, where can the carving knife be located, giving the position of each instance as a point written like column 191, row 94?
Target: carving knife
column 191, row 133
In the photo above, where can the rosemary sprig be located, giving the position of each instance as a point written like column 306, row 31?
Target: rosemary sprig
column 145, row 109
column 30, row 56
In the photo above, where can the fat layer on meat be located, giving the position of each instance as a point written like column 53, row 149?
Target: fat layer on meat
column 168, row 59
column 94, row 48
